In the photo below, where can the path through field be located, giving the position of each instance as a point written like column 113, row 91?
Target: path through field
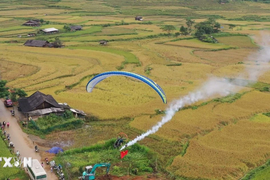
column 19, row 138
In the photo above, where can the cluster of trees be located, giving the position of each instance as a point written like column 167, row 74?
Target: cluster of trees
column 203, row 30
column 209, row 26
column 13, row 94
column 67, row 28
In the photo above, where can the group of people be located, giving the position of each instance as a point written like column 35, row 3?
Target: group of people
column 4, row 124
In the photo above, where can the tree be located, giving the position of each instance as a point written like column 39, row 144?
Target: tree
column 168, row 28
column 207, row 27
column 15, row 93
column 216, row 27
column 3, row 89
column 57, row 42
column 184, row 30
column 67, row 28
column 231, row 26
column 21, row 93
column 199, row 33
column 41, row 21
column 189, row 24
column 177, row 34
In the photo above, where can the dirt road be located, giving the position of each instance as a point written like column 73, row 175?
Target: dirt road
column 19, row 138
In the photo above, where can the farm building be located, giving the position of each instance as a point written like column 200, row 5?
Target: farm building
column 139, row 18
column 75, row 28
column 50, row 30
column 39, row 104
column 35, row 22
column 37, row 43
column 103, row 42
column 76, row 112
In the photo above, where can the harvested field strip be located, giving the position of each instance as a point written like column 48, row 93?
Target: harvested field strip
column 242, row 140
column 185, row 122
column 15, row 33
column 239, row 41
column 112, row 31
column 195, row 43
column 15, row 28
column 143, row 35
column 13, row 70
column 225, row 57
column 86, row 60
column 129, row 57
column 31, row 12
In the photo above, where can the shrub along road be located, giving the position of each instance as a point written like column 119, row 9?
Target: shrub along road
column 20, row 139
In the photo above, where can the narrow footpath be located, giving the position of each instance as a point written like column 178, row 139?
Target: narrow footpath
column 20, row 139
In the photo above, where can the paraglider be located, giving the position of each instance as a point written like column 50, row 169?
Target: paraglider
column 121, row 138
column 95, row 80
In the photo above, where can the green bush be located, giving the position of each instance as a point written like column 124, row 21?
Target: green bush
column 52, row 122
column 175, row 64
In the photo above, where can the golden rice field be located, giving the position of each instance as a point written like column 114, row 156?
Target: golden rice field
column 225, row 139
column 195, row 43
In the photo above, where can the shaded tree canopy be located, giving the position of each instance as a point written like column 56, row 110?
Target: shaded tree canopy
column 207, row 27
column 168, row 28
column 3, row 89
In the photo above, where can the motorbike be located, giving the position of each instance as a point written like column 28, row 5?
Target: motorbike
column 36, row 148
column 12, row 113
column 11, row 145
column 47, row 161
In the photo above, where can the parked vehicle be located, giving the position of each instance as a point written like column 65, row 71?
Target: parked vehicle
column 36, row 172
column 8, row 103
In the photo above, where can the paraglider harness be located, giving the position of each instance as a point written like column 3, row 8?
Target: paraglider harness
column 36, row 148
column 121, row 138
column 119, row 142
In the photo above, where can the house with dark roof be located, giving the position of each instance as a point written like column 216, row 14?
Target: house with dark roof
column 103, row 42
column 38, row 43
column 75, row 28
column 39, row 104
column 34, row 22
column 37, row 101
column 139, row 18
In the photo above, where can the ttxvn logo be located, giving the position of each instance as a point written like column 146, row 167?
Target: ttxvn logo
column 15, row 162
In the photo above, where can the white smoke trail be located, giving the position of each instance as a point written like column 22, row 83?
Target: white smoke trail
column 213, row 87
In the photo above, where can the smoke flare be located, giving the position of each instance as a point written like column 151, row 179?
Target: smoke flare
column 258, row 64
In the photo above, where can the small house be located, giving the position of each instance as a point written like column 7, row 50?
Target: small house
column 103, row 42
column 50, row 30
column 39, row 104
column 75, row 28
column 35, row 22
column 139, row 18
column 37, row 43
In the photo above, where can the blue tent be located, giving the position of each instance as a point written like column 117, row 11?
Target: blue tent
column 55, row 150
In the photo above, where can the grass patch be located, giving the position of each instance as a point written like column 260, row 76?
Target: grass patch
column 138, row 161
column 52, row 122
column 184, row 150
column 230, row 99
column 13, row 172
column 259, row 173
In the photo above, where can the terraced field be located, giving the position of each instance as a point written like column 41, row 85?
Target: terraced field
column 219, row 138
